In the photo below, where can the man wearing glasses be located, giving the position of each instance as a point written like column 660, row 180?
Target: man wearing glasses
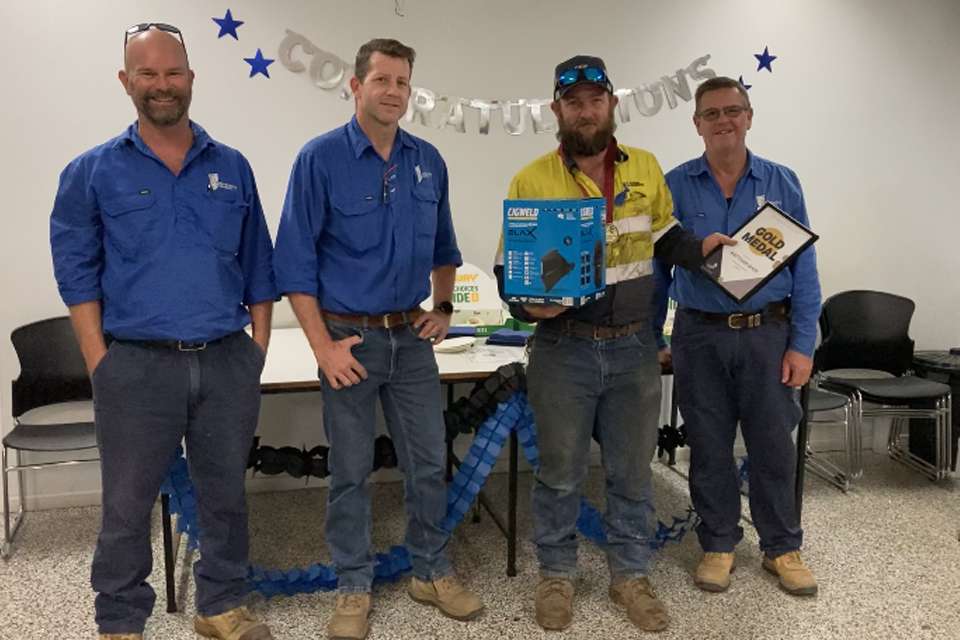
column 729, row 370
column 593, row 370
column 366, row 226
column 159, row 242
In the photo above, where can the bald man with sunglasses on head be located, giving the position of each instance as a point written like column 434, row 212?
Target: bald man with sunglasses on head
column 161, row 250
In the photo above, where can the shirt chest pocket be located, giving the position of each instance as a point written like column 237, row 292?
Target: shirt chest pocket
column 357, row 223
column 222, row 220
column 426, row 203
column 130, row 223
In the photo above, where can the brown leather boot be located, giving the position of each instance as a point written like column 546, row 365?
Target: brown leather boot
column 235, row 624
column 643, row 608
column 554, row 603
column 795, row 578
column 713, row 572
column 448, row 595
column 350, row 617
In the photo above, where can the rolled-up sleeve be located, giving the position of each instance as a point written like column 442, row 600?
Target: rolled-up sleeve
column 256, row 248
column 302, row 220
column 805, row 297
column 445, row 250
column 76, row 235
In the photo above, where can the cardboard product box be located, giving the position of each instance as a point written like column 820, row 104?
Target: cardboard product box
column 554, row 251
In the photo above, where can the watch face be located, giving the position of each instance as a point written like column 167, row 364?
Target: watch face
column 445, row 307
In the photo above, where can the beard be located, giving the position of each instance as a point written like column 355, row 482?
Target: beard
column 579, row 143
column 164, row 115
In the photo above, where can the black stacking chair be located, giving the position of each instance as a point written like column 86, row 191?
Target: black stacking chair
column 870, row 330
column 839, row 475
column 52, row 409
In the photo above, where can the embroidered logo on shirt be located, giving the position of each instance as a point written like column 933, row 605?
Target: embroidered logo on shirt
column 215, row 183
column 421, row 175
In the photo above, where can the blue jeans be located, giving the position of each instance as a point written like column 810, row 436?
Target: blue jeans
column 146, row 400
column 727, row 376
column 402, row 373
column 608, row 389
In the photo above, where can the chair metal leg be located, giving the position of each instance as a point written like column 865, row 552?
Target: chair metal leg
column 10, row 525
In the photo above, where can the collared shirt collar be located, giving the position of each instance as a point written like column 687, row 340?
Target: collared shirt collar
column 359, row 141
column 700, row 166
column 571, row 164
column 201, row 139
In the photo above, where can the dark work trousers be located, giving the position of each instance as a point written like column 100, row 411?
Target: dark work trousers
column 724, row 377
column 146, row 400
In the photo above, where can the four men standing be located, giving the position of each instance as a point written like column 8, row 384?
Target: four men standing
column 161, row 251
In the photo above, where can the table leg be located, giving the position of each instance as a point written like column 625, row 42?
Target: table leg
column 168, row 559
column 512, row 509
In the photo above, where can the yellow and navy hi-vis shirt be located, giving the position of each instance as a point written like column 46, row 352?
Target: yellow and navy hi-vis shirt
column 642, row 214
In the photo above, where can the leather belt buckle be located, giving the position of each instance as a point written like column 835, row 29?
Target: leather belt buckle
column 190, row 346
column 733, row 320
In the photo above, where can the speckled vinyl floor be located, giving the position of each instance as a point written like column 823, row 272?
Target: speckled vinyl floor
column 886, row 555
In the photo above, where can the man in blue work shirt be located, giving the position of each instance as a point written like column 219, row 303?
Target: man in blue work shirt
column 741, row 362
column 366, row 225
column 159, row 241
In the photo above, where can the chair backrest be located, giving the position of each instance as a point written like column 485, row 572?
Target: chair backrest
column 865, row 330
column 52, row 368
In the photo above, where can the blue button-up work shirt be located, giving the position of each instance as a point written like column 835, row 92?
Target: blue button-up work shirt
column 361, row 234
column 169, row 256
column 701, row 207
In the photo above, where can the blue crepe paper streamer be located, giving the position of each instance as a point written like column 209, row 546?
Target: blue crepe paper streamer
column 513, row 415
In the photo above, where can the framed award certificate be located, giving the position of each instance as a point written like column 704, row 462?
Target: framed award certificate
column 766, row 243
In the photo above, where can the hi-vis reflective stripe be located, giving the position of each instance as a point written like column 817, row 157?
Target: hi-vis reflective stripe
column 633, row 224
column 629, row 271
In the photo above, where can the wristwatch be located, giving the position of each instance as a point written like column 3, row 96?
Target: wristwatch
column 445, row 307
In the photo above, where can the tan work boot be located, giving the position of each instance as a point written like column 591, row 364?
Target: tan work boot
column 554, row 603
column 795, row 578
column 713, row 572
column 350, row 617
column 121, row 636
column 235, row 624
column 448, row 595
column 643, row 608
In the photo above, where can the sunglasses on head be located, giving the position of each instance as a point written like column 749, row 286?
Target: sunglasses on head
column 571, row 77
column 146, row 26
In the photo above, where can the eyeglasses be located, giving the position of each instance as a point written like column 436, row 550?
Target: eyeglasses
column 388, row 177
column 731, row 112
column 146, row 26
column 573, row 76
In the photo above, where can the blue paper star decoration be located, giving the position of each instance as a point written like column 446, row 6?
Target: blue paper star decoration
column 259, row 64
column 745, row 85
column 228, row 26
column 765, row 59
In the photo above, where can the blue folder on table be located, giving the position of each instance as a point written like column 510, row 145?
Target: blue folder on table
column 508, row 338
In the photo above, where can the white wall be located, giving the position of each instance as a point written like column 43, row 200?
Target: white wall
column 862, row 103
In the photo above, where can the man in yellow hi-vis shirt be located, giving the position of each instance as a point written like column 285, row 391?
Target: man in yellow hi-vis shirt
column 593, row 370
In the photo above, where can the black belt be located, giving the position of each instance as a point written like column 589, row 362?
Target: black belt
column 746, row 320
column 580, row 329
column 385, row 321
column 175, row 345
